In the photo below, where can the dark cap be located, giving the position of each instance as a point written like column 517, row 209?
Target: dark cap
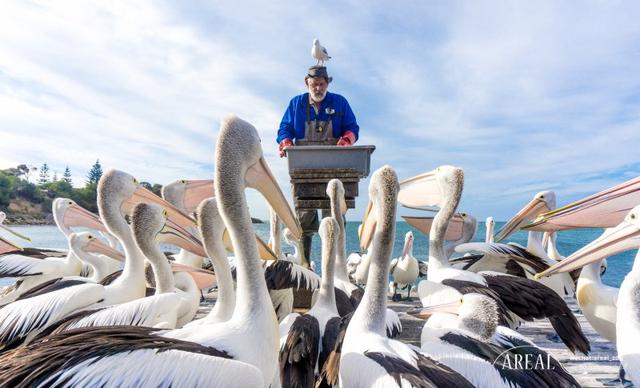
column 318, row 71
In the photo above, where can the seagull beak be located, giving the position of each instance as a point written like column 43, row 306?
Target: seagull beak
column 96, row 246
column 196, row 191
column 526, row 214
column 420, row 191
column 203, row 278
column 605, row 209
column 426, row 312
column 13, row 232
column 78, row 216
column 174, row 234
column 8, row 246
column 263, row 248
column 367, row 228
column 142, row 195
column 259, row 177
column 623, row 237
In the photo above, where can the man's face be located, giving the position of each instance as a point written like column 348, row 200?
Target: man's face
column 317, row 88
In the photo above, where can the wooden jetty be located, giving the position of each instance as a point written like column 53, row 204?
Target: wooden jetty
column 594, row 370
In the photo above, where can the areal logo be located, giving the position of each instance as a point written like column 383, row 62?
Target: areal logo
column 524, row 357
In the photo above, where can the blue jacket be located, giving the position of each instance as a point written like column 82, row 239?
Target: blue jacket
column 292, row 124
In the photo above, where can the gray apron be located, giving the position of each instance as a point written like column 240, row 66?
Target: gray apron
column 317, row 132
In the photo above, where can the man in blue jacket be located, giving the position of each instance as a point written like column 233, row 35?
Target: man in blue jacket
column 317, row 117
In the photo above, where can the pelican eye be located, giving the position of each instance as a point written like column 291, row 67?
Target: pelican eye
column 183, row 181
column 70, row 203
column 633, row 216
column 165, row 214
column 135, row 181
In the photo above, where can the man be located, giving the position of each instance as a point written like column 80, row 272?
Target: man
column 317, row 117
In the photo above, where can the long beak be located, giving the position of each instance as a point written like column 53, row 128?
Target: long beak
column 263, row 248
column 174, row 234
column 196, row 191
column 78, row 216
column 13, row 232
column 97, row 246
column 8, row 246
column 142, row 195
column 526, row 214
column 368, row 227
column 420, row 191
column 259, row 177
column 202, row 277
column 605, row 209
column 426, row 312
column 624, row 237
column 423, row 224
column 408, row 244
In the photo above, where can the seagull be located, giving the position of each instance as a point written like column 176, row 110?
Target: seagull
column 319, row 52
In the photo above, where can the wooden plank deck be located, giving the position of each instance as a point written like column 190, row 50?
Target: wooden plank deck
column 594, row 370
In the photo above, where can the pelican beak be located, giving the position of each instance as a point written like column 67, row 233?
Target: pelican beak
column 367, row 228
column 408, row 244
column 78, row 216
column 196, row 191
column 623, row 237
column 259, row 177
column 546, row 238
column 97, row 246
column 420, row 191
column 263, row 248
column 13, row 232
column 142, row 195
column 174, row 234
column 8, row 246
column 203, row 278
column 423, row 224
column 605, row 209
column 526, row 214
column 426, row 312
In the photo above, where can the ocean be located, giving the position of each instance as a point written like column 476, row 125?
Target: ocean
column 567, row 242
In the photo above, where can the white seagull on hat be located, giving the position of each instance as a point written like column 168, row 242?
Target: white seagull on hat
column 319, row 52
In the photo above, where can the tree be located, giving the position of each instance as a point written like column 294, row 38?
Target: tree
column 55, row 177
column 44, row 174
column 94, row 174
column 66, row 176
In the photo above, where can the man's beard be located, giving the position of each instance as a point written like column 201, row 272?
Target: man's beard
column 318, row 97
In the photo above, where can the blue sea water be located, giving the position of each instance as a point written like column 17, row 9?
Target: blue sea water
column 567, row 242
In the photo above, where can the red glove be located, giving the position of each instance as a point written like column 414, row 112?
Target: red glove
column 347, row 139
column 283, row 144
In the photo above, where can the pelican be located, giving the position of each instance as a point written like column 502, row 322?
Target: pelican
column 34, row 266
column 117, row 190
column 613, row 313
column 475, row 346
column 527, row 299
column 404, row 269
column 368, row 357
column 3, row 217
column 309, row 338
column 506, row 258
column 221, row 354
column 489, row 224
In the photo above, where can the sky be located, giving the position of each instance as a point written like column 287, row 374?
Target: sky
column 524, row 96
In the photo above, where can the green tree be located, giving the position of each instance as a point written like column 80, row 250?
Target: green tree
column 94, row 174
column 67, row 176
column 44, row 174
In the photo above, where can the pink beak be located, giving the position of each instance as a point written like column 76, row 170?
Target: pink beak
column 202, row 277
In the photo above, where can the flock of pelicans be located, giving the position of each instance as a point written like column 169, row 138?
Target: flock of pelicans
column 83, row 318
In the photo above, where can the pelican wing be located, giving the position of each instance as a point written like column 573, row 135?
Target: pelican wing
column 300, row 351
column 467, row 287
column 503, row 253
column 105, row 356
column 285, row 274
column 329, row 340
column 18, row 265
column 52, row 285
column 394, row 326
column 530, row 300
column 330, row 372
column 343, row 303
column 27, row 316
column 37, row 253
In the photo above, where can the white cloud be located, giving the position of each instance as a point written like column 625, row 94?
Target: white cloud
column 524, row 96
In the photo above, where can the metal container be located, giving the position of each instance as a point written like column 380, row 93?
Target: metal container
column 353, row 159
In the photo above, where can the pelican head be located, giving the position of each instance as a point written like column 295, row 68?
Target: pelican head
column 212, row 228
column 3, row 216
column 68, row 213
column 88, row 242
column 241, row 164
column 186, row 195
column 542, row 202
column 623, row 237
column 335, row 191
column 408, row 244
column 383, row 193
